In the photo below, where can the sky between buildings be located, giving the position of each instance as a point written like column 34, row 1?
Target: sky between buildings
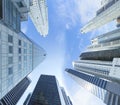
column 64, row 44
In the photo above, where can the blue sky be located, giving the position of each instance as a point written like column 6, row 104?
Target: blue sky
column 64, row 44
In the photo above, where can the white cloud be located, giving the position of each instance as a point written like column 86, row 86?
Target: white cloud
column 24, row 27
column 86, row 9
column 77, row 11
column 67, row 26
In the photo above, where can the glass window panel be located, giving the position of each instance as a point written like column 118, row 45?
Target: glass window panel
column 19, row 50
column 1, row 11
column 10, row 49
column 10, row 38
column 19, row 42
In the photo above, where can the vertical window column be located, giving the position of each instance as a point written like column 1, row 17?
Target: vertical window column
column 10, row 60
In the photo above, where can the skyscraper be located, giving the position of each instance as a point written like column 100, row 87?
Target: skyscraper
column 12, row 97
column 47, row 92
column 39, row 16
column 102, row 58
column 108, row 12
column 66, row 98
column 98, row 68
column 107, row 91
column 19, row 54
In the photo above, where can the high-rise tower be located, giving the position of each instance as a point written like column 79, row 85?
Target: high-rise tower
column 108, row 12
column 102, row 58
column 98, row 69
column 66, row 98
column 47, row 92
column 39, row 16
column 12, row 97
column 19, row 54
column 107, row 91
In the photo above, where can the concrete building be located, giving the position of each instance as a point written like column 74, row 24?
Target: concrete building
column 107, row 13
column 47, row 92
column 39, row 16
column 19, row 54
column 12, row 97
column 107, row 91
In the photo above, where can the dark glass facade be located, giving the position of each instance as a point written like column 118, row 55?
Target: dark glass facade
column 45, row 92
column 12, row 97
column 105, row 55
column 1, row 10
column 92, row 79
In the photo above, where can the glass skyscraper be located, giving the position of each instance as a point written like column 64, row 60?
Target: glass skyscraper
column 19, row 54
column 66, row 98
column 47, row 92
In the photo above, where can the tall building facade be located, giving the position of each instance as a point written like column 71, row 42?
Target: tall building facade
column 47, row 92
column 39, row 16
column 12, row 97
column 107, row 91
column 109, row 11
column 97, row 69
column 102, row 58
column 18, row 53
column 66, row 98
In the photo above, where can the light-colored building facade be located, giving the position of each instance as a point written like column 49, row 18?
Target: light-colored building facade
column 102, row 57
column 107, row 13
column 16, row 49
column 100, row 64
column 39, row 16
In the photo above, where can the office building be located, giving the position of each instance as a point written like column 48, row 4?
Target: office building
column 47, row 92
column 18, row 53
column 12, row 97
column 39, row 15
column 102, row 58
column 27, row 99
column 98, row 67
column 66, row 98
column 105, row 90
column 107, row 13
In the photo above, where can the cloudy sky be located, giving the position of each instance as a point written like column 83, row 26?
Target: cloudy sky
column 64, row 44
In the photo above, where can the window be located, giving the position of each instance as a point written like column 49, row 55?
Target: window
column 10, row 60
column 19, row 50
column 10, row 38
column 19, row 42
column 10, row 49
column 20, row 4
column 1, row 11
column 10, row 70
